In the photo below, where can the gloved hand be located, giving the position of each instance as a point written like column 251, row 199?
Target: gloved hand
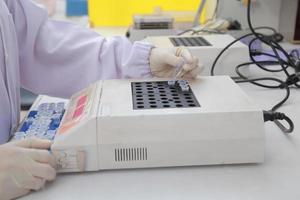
column 24, row 166
column 174, row 63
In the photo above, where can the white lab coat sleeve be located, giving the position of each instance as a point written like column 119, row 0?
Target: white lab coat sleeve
column 59, row 59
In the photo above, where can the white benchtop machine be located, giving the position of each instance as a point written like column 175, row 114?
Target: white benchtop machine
column 115, row 124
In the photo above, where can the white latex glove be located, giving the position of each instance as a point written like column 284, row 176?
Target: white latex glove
column 24, row 166
column 174, row 63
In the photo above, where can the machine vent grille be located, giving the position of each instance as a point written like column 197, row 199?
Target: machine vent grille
column 131, row 154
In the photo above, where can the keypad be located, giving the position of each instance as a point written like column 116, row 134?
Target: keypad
column 42, row 123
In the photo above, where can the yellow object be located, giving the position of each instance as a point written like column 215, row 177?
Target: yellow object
column 245, row 2
column 120, row 12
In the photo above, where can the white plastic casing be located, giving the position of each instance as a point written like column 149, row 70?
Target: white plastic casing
column 227, row 129
column 235, row 55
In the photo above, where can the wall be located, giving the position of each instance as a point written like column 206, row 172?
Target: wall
column 264, row 12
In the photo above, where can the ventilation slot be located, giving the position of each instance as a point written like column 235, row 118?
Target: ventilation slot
column 131, row 154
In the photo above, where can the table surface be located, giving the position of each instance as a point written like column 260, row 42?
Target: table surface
column 276, row 179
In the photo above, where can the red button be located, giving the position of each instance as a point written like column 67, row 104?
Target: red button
column 78, row 112
column 81, row 100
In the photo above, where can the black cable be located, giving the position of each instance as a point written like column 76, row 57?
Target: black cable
column 282, row 85
column 291, row 79
column 285, row 63
column 275, row 117
column 212, row 73
column 251, row 54
column 253, row 81
column 257, row 53
column 266, row 28
column 271, row 115
column 265, row 39
column 212, row 70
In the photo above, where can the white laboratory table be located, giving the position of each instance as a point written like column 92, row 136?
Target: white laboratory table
column 276, row 179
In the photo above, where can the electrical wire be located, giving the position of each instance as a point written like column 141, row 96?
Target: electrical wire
column 251, row 54
column 273, row 44
column 212, row 70
column 291, row 60
column 271, row 115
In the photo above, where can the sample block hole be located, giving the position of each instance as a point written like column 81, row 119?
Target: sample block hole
column 159, row 95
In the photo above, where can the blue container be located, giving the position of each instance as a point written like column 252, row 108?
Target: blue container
column 77, row 7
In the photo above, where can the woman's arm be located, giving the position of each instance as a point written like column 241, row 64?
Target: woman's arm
column 59, row 58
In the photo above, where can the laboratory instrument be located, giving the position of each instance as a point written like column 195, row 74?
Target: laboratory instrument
column 150, row 25
column 207, row 48
column 118, row 124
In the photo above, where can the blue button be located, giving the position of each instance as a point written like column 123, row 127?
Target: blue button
column 25, row 127
column 32, row 113
column 53, row 126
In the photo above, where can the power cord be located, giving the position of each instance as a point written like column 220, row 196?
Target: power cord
column 289, row 61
